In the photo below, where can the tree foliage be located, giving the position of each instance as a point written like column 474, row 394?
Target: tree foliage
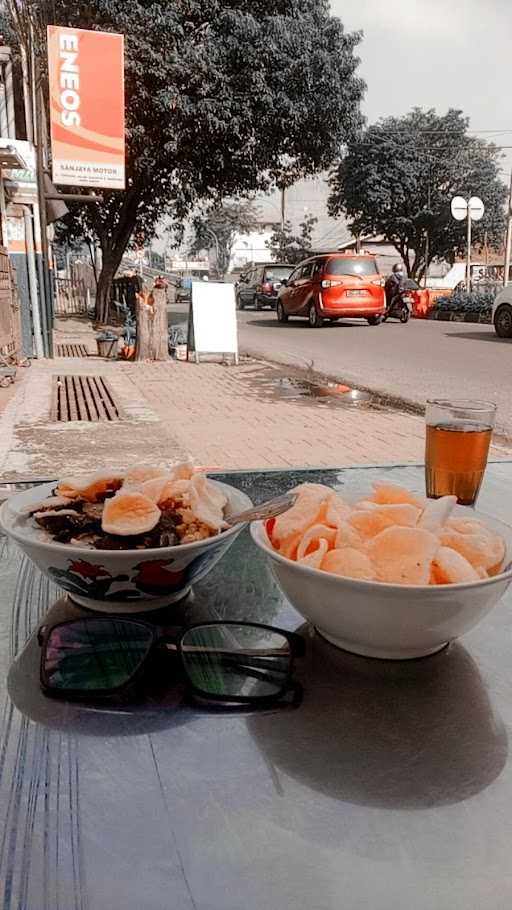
column 218, row 226
column 398, row 178
column 223, row 97
column 286, row 246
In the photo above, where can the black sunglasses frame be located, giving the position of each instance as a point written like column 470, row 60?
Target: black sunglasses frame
column 158, row 638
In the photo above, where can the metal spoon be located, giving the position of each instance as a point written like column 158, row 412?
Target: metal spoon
column 269, row 509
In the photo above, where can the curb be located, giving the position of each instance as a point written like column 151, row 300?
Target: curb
column 446, row 316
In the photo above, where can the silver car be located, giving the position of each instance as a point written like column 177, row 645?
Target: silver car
column 502, row 313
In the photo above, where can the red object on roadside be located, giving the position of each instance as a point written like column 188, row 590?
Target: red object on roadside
column 422, row 303
column 425, row 298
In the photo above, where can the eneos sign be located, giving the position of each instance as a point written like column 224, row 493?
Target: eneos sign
column 86, row 76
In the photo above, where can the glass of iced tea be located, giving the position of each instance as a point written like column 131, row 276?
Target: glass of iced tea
column 458, row 439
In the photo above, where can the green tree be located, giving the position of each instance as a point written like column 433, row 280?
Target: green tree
column 398, row 178
column 224, row 97
column 218, row 226
column 286, row 246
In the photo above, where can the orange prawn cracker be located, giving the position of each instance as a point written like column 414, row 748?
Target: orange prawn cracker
column 403, row 556
column 477, row 543
column 304, row 513
column 350, row 563
column 370, row 522
column 449, row 567
column 315, row 557
column 347, row 536
column 392, row 494
column 337, row 511
column 309, row 542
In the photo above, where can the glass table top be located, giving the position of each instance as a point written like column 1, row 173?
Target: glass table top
column 390, row 787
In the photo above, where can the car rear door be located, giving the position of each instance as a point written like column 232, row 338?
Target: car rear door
column 245, row 290
column 287, row 294
column 304, row 288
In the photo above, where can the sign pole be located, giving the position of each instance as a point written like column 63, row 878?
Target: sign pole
column 508, row 242
column 473, row 210
column 468, row 264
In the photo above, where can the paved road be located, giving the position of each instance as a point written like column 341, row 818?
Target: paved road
column 413, row 362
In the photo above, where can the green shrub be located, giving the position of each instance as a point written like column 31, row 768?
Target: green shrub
column 477, row 303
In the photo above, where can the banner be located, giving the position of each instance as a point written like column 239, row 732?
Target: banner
column 86, row 76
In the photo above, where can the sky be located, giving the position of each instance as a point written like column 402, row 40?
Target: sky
column 436, row 53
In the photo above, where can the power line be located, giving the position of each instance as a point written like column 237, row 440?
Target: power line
column 436, row 148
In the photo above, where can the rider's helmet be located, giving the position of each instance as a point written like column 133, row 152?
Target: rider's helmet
column 398, row 267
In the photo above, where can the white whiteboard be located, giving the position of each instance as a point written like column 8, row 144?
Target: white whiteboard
column 214, row 314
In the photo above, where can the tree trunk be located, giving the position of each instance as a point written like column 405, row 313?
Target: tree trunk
column 104, row 289
column 152, row 331
column 112, row 249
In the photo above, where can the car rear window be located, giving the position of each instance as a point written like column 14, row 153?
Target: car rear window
column 278, row 272
column 347, row 265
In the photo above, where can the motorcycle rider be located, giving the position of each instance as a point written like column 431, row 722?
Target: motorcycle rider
column 394, row 284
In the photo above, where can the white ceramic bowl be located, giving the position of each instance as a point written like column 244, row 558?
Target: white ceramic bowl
column 374, row 619
column 118, row 581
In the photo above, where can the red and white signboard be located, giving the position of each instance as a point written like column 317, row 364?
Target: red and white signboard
column 86, row 74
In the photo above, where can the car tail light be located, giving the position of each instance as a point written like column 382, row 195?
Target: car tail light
column 267, row 288
column 328, row 283
column 380, row 282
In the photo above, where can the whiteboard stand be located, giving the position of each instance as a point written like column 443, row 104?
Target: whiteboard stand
column 212, row 325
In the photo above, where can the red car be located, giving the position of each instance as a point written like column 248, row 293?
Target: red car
column 334, row 286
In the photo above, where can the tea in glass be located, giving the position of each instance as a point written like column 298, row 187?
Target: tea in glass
column 457, row 446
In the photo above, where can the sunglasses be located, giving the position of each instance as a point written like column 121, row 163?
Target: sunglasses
column 235, row 662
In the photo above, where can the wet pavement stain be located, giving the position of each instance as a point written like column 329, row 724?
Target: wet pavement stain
column 274, row 385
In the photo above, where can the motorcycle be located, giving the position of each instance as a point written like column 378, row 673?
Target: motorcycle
column 401, row 305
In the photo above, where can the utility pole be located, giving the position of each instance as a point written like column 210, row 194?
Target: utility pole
column 46, row 295
column 508, row 242
column 427, row 238
column 283, row 207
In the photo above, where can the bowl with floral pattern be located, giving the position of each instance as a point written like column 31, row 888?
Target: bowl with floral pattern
column 118, row 581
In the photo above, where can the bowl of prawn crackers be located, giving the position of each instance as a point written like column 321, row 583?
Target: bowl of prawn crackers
column 389, row 574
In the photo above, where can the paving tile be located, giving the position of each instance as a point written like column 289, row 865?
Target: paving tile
column 208, row 412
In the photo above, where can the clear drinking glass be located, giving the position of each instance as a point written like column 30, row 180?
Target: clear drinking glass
column 457, row 445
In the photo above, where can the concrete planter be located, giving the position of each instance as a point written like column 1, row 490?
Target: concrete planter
column 445, row 316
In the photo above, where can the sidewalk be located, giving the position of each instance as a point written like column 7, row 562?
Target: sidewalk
column 220, row 416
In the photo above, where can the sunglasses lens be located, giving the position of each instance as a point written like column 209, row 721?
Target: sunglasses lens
column 92, row 654
column 236, row 661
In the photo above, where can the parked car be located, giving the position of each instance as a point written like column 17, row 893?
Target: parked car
column 502, row 313
column 333, row 286
column 184, row 290
column 259, row 285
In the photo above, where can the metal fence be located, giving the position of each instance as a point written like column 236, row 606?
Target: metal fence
column 70, row 297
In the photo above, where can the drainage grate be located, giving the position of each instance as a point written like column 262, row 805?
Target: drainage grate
column 83, row 398
column 72, row 350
